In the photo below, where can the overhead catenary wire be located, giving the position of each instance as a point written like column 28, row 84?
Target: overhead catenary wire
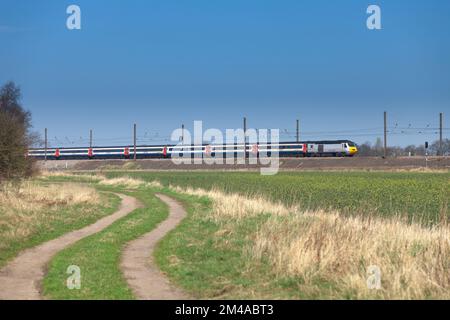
column 153, row 136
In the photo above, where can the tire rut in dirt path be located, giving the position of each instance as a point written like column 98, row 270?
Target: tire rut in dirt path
column 138, row 265
column 21, row 278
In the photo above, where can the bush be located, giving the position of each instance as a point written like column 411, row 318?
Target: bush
column 15, row 136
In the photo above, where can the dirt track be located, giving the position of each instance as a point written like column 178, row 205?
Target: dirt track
column 286, row 164
column 138, row 266
column 21, row 278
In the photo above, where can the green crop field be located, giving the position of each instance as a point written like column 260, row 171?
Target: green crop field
column 422, row 197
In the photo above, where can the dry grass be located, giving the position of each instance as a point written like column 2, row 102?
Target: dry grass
column 414, row 261
column 30, row 208
column 236, row 206
column 47, row 175
column 421, row 170
column 125, row 165
column 30, row 196
column 123, row 182
column 130, row 183
column 329, row 248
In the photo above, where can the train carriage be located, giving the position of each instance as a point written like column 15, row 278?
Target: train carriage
column 335, row 148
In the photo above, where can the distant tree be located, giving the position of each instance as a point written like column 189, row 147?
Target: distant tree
column 368, row 150
column 410, row 150
column 434, row 147
column 420, row 150
column 15, row 136
column 378, row 147
column 365, row 150
column 395, row 151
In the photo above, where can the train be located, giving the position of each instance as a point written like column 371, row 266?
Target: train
column 332, row 148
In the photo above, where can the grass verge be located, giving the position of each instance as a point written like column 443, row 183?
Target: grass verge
column 207, row 259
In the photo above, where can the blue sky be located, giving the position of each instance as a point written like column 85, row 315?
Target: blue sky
column 166, row 62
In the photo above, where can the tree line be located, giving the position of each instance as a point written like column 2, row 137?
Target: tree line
column 368, row 149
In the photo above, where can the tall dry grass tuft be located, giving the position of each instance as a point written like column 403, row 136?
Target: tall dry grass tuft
column 154, row 184
column 414, row 261
column 31, row 196
column 46, row 175
column 237, row 206
column 124, row 182
column 130, row 183
column 330, row 248
column 29, row 207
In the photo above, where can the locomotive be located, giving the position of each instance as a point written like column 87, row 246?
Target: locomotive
column 332, row 148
